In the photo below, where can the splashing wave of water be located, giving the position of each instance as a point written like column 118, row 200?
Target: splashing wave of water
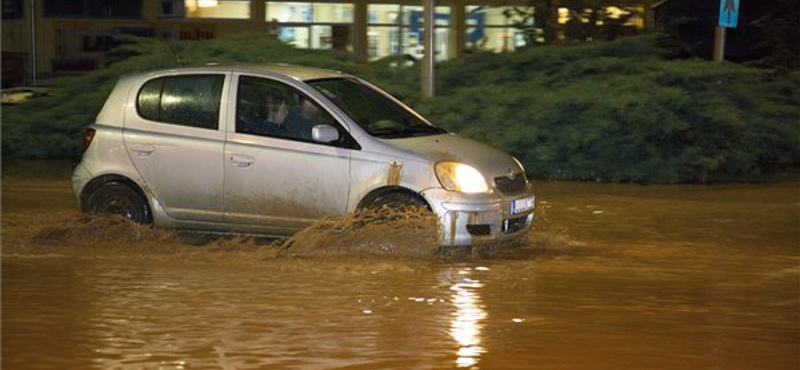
column 384, row 233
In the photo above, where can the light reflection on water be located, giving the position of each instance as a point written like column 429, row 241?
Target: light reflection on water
column 663, row 278
column 467, row 322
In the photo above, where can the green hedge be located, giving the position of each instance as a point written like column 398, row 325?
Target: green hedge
column 621, row 112
column 617, row 111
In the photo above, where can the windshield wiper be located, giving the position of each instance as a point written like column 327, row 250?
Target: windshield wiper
column 425, row 129
column 385, row 131
column 388, row 132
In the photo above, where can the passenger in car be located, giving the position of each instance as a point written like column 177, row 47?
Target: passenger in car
column 246, row 114
column 276, row 115
column 302, row 118
column 264, row 119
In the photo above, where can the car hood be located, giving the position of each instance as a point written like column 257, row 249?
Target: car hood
column 489, row 161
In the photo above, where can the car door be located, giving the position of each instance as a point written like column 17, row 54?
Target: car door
column 172, row 135
column 276, row 176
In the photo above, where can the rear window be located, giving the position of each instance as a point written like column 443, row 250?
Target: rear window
column 192, row 100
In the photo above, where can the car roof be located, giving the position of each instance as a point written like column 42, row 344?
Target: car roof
column 300, row 73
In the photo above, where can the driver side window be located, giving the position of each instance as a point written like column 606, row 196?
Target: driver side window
column 266, row 107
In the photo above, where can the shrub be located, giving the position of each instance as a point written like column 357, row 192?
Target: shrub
column 615, row 111
column 620, row 112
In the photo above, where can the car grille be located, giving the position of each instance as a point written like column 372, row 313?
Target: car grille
column 510, row 226
column 513, row 225
column 509, row 186
column 479, row 230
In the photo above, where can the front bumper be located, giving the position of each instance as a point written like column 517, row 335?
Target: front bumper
column 474, row 219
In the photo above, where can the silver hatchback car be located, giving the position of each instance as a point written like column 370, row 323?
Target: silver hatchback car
column 270, row 149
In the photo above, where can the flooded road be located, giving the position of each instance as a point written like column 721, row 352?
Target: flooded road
column 612, row 277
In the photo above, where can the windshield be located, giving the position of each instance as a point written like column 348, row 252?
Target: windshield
column 376, row 113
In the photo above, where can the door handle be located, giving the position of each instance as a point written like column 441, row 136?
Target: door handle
column 143, row 150
column 242, row 161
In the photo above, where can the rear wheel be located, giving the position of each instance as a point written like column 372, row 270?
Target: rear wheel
column 117, row 198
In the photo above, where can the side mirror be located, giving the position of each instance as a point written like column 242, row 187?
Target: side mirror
column 324, row 134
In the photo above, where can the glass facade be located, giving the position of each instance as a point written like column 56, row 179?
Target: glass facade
column 394, row 29
column 312, row 25
column 73, row 36
column 223, row 9
column 391, row 29
column 495, row 28
column 397, row 29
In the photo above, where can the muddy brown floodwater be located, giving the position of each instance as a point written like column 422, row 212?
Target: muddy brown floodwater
column 612, row 277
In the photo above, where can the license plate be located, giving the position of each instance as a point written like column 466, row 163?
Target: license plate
column 522, row 205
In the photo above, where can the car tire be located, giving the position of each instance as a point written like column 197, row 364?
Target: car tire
column 117, row 198
column 398, row 201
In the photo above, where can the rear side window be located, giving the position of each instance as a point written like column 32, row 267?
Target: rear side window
column 182, row 100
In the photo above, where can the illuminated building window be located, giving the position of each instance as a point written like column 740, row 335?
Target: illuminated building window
column 631, row 16
column 496, row 28
column 563, row 15
column 312, row 25
column 224, row 9
column 294, row 12
column 395, row 29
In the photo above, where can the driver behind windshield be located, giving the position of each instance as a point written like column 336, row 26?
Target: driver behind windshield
column 302, row 119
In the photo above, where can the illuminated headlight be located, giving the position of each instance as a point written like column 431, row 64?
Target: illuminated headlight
column 460, row 177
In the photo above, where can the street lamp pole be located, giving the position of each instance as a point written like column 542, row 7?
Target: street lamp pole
column 719, row 44
column 33, row 43
column 428, row 57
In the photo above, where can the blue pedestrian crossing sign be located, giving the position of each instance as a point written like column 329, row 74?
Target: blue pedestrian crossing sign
column 728, row 13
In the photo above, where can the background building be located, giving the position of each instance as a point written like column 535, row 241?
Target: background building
column 56, row 37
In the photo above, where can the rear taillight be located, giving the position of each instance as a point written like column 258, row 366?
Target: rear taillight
column 88, row 136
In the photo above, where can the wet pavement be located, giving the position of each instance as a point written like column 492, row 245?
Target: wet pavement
column 612, row 277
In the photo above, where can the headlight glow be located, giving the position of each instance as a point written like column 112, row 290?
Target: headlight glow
column 460, row 177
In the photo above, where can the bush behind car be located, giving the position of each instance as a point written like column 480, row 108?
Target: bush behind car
column 614, row 111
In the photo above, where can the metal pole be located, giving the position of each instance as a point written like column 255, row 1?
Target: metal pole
column 719, row 44
column 33, row 43
column 360, row 42
column 428, row 57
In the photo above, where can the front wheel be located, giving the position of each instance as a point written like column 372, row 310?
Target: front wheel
column 394, row 207
column 116, row 198
column 399, row 201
